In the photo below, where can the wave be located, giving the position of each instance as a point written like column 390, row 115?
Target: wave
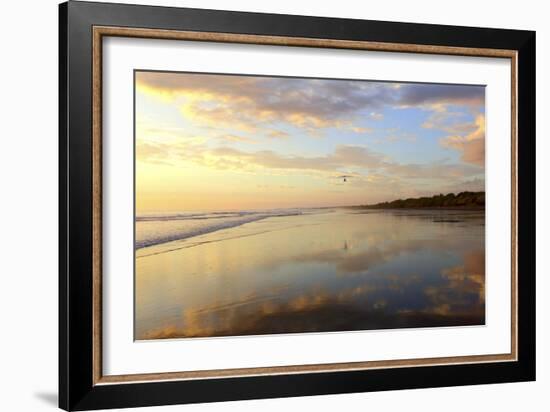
column 153, row 230
column 191, row 216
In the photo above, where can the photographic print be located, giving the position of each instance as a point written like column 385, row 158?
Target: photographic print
column 269, row 205
column 265, row 205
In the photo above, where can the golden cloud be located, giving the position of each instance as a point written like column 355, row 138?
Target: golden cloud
column 472, row 145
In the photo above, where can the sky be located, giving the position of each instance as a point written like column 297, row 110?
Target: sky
column 243, row 142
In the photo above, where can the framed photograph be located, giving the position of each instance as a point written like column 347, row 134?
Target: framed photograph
column 256, row 205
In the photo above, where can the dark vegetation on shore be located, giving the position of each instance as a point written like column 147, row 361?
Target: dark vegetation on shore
column 462, row 200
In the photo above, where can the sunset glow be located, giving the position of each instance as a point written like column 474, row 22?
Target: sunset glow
column 232, row 142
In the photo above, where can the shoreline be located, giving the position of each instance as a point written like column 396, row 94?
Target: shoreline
column 467, row 208
column 141, row 245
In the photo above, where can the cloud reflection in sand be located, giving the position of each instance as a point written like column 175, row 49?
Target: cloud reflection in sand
column 334, row 271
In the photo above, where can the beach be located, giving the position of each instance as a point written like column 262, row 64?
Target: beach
column 310, row 270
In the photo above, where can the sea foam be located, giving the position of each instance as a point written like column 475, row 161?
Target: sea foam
column 155, row 229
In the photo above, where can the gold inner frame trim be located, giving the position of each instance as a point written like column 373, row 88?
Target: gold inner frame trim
column 101, row 31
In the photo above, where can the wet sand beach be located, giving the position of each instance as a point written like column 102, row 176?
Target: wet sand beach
column 322, row 270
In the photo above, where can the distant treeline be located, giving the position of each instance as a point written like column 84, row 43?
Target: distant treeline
column 460, row 200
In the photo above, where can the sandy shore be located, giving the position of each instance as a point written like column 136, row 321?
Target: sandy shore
column 330, row 271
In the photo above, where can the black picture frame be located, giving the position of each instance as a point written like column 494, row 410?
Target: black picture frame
column 77, row 390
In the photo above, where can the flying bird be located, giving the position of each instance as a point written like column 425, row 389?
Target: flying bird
column 344, row 177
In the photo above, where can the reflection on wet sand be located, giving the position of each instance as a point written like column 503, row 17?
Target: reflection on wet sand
column 334, row 271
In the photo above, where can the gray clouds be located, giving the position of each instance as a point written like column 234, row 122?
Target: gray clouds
column 245, row 102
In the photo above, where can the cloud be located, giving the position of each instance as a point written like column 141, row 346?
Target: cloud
column 421, row 94
column 400, row 136
column 225, row 114
column 153, row 153
column 452, row 122
column 474, row 152
column 472, row 145
column 361, row 130
column 235, row 138
column 248, row 103
column 244, row 102
column 277, row 134
column 433, row 170
column 342, row 158
column 367, row 167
